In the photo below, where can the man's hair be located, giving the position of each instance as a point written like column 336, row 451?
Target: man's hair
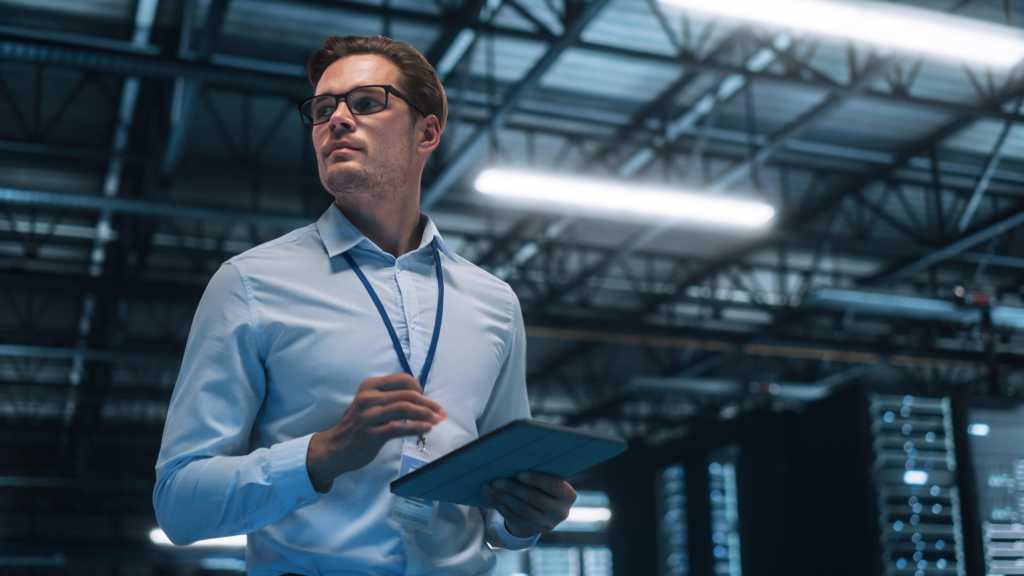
column 418, row 79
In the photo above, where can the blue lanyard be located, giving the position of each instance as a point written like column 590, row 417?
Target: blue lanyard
column 429, row 361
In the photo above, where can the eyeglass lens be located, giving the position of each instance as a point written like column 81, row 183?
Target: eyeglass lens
column 361, row 101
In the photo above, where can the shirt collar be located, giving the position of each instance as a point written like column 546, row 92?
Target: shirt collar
column 339, row 235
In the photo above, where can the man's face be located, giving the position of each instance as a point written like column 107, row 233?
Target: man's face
column 371, row 154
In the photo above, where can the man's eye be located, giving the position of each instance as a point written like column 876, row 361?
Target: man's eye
column 323, row 110
column 366, row 104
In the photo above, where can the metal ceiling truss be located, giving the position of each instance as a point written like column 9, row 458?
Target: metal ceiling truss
column 1001, row 226
column 661, row 110
column 860, row 77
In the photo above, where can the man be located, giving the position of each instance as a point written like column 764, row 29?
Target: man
column 323, row 363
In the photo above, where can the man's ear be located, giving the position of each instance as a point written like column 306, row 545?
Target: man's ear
column 429, row 134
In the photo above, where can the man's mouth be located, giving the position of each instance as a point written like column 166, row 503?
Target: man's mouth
column 341, row 147
column 342, row 152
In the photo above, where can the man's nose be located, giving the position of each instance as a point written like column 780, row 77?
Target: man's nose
column 342, row 120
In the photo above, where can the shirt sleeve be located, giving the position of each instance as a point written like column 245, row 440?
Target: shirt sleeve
column 508, row 399
column 508, row 402
column 498, row 535
column 208, row 481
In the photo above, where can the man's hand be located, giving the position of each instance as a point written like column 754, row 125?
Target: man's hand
column 532, row 503
column 385, row 407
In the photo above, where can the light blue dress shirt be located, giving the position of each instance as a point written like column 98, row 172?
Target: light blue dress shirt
column 283, row 336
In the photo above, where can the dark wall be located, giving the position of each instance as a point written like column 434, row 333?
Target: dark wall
column 764, row 480
column 832, row 509
column 632, row 533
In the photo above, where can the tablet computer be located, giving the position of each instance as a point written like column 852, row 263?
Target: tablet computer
column 519, row 446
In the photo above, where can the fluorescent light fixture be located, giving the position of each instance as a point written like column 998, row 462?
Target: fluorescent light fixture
column 587, row 514
column 622, row 198
column 590, row 513
column 157, row 536
column 902, row 28
column 915, row 477
column 223, row 564
column 586, row 519
column 978, row 429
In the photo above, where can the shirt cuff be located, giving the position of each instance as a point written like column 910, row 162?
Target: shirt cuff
column 288, row 473
column 505, row 538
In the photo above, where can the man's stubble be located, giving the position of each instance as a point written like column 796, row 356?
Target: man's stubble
column 358, row 186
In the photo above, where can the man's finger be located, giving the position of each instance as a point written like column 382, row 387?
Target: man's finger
column 401, row 411
column 400, row 429
column 537, row 498
column 511, row 515
column 524, row 509
column 551, row 485
column 397, row 381
column 393, row 397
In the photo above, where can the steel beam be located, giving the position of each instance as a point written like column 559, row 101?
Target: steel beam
column 457, row 35
column 723, row 92
column 1010, row 220
column 17, row 46
column 187, row 89
column 986, row 174
column 147, row 208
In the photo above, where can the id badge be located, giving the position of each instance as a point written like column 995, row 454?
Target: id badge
column 416, row 513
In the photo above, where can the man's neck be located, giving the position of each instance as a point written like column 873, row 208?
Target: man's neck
column 396, row 231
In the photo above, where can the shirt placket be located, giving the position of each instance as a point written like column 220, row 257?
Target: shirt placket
column 410, row 335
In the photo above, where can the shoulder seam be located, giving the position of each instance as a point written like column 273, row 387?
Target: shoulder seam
column 476, row 267
column 511, row 329
column 289, row 238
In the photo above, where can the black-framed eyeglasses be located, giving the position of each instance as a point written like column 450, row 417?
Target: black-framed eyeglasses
column 361, row 101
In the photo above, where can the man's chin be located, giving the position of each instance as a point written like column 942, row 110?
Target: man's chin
column 345, row 164
column 350, row 181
